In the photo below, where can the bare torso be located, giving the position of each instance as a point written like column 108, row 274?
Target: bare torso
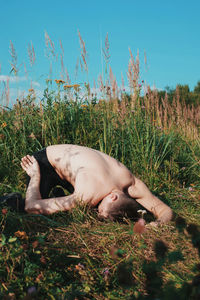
column 95, row 176
column 92, row 173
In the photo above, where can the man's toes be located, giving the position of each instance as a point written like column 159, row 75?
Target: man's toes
column 24, row 166
column 29, row 159
column 32, row 159
column 26, row 160
column 23, row 159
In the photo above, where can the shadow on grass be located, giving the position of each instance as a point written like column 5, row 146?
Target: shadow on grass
column 34, row 255
column 155, row 286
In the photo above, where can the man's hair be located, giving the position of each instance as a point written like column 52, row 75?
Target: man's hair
column 124, row 206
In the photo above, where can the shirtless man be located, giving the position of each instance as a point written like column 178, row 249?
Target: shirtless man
column 92, row 177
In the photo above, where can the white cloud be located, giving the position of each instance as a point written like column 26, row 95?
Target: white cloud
column 12, row 78
column 17, row 79
column 17, row 93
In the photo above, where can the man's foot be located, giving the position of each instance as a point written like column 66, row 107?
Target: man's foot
column 31, row 166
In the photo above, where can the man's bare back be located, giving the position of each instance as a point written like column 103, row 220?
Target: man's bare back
column 92, row 173
column 95, row 176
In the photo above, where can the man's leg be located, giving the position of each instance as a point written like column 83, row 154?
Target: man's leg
column 49, row 178
column 142, row 194
column 34, row 202
column 46, row 173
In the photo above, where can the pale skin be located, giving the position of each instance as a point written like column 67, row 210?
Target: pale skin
column 96, row 178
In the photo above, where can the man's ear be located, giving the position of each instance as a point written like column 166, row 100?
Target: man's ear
column 113, row 196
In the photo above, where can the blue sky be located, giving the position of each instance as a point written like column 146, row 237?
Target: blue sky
column 167, row 31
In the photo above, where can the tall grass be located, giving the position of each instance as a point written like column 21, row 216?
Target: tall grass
column 76, row 256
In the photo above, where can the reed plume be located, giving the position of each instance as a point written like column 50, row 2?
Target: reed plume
column 83, row 52
column 106, row 52
column 62, row 60
column 50, row 48
column 13, row 59
column 31, row 54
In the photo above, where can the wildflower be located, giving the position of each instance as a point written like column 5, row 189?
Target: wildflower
column 21, row 234
column 139, row 226
column 31, row 90
column 59, row 81
column 76, row 87
column 1, row 136
column 106, row 273
column 142, row 212
column 69, row 86
column 4, row 124
column 79, row 267
column 84, row 106
column 4, row 211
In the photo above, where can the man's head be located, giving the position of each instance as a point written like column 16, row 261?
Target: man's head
column 117, row 205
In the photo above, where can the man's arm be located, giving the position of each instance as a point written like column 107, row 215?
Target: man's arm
column 142, row 195
column 52, row 205
column 34, row 203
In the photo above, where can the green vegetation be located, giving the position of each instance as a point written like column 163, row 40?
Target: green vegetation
column 191, row 98
column 74, row 255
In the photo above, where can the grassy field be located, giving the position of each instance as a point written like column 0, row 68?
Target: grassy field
column 74, row 255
